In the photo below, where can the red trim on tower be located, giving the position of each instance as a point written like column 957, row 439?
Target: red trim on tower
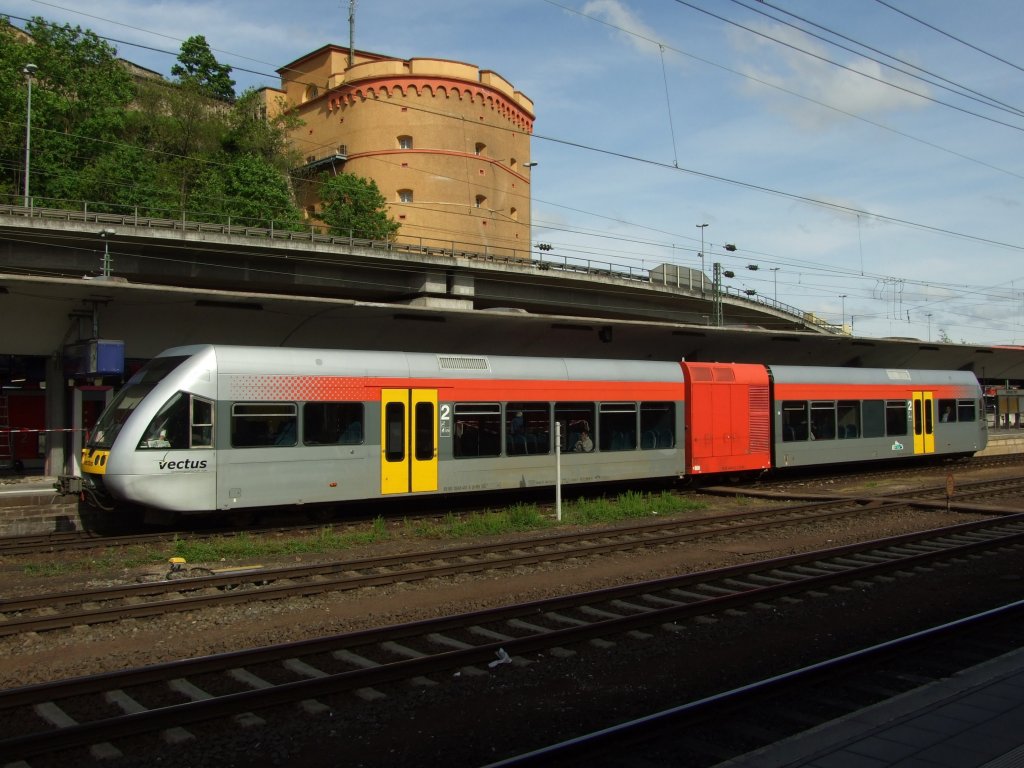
column 368, row 89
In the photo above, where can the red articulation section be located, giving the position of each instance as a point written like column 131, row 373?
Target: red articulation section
column 728, row 418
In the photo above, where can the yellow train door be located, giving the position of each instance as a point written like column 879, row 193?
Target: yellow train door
column 924, row 422
column 408, row 428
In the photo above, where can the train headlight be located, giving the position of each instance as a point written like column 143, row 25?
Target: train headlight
column 94, row 461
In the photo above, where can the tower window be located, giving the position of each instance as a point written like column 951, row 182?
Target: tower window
column 405, row 195
column 480, row 200
column 405, row 142
column 480, row 147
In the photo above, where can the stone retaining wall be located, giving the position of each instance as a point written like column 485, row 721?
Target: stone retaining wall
column 38, row 513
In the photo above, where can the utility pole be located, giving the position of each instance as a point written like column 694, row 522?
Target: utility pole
column 716, row 297
column 29, row 70
column 351, row 33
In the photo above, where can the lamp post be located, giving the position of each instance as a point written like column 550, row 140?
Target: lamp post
column 842, row 317
column 701, row 227
column 775, row 283
column 28, row 70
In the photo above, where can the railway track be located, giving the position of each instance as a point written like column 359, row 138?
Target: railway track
column 827, row 474
column 71, row 541
column 725, row 726
column 38, row 613
column 964, row 497
column 95, row 715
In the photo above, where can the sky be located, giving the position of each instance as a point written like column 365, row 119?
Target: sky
column 879, row 184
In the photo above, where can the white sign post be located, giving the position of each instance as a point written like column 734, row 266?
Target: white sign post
column 558, row 471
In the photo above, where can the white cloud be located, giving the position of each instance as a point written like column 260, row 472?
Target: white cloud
column 619, row 15
column 856, row 89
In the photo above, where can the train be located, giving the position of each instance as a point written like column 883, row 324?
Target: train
column 219, row 428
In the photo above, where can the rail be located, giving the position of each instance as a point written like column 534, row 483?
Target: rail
column 79, row 211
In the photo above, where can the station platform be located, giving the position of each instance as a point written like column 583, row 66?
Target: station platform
column 1003, row 440
column 974, row 719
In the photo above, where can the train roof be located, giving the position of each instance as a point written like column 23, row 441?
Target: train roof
column 230, row 359
column 803, row 374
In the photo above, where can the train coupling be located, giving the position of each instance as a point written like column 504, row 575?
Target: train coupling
column 68, row 484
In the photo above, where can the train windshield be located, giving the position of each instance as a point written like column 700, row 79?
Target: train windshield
column 127, row 400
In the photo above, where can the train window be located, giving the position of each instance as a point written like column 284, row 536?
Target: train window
column 657, row 425
column 169, row 428
column 823, row 420
column 575, row 420
column 616, row 426
column 255, row 425
column 794, row 420
column 332, row 423
column 202, row 422
column 848, row 418
column 127, row 400
column 947, row 410
column 394, row 432
column 477, row 430
column 424, row 442
column 527, row 428
column 874, row 418
column 896, row 417
column 966, row 410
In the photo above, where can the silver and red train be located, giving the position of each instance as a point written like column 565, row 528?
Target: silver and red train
column 210, row 427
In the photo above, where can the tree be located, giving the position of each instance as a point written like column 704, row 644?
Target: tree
column 246, row 189
column 198, row 66
column 354, row 205
column 248, row 131
column 80, row 94
column 126, row 180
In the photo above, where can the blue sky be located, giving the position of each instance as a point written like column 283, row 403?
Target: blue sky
column 894, row 205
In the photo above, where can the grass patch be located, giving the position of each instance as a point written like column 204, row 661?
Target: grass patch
column 107, row 562
column 514, row 519
column 627, row 506
column 517, row 518
column 530, row 517
column 247, row 546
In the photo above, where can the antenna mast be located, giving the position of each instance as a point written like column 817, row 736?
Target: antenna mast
column 351, row 33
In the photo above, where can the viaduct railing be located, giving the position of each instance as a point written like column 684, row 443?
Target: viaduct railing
column 99, row 214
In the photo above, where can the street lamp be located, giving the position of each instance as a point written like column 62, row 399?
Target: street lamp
column 28, row 70
column 105, row 233
column 842, row 317
column 701, row 227
column 775, row 281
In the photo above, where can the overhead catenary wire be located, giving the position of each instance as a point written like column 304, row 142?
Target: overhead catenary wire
column 710, row 176
column 951, row 36
column 950, row 85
